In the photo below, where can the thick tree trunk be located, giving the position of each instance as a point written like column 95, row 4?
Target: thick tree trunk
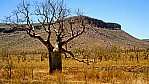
column 55, row 61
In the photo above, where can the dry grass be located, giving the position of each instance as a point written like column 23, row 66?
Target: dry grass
column 34, row 71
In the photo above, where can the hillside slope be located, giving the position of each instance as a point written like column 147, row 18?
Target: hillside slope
column 99, row 33
column 105, row 37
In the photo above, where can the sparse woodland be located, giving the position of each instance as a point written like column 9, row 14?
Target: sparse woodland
column 103, row 65
column 64, row 59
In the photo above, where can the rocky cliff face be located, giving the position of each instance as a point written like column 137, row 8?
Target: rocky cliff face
column 147, row 40
column 10, row 30
column 98, row 23
column 102, row 24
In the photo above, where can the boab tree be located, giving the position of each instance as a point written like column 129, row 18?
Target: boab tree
column 51, row 16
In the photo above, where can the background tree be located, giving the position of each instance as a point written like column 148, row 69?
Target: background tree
column 51, row 16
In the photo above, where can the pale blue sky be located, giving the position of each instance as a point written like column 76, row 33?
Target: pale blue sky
column 133, row 15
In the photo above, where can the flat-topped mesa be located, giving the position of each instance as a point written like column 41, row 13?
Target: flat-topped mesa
column 91, row 21
column 98, row 23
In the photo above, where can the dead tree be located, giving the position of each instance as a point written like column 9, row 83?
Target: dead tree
column 51, row 16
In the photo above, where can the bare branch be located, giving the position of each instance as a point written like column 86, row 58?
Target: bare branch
column 79, row 12
column 71, row 28
column 79, row 32
column 36, row 36
column 69, row 52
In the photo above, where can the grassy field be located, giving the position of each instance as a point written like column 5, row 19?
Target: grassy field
column 105, row 67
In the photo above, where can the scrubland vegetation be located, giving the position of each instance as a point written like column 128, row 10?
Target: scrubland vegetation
column 55, row 29
column 103, row 65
